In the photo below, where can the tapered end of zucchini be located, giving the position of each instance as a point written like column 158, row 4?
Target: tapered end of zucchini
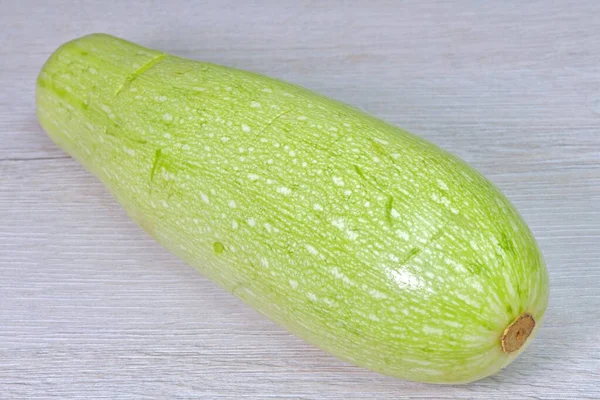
column 82, row 78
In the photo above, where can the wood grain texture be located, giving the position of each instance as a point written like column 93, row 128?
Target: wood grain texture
column 91, row 307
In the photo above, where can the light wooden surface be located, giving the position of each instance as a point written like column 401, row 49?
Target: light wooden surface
column 91, row 307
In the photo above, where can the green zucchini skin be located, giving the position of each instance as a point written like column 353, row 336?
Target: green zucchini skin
column 365, row 240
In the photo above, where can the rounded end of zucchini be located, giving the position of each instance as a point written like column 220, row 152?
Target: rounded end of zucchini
column 515, row 335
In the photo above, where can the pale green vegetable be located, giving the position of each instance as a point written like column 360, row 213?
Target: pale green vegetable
column 359, row 237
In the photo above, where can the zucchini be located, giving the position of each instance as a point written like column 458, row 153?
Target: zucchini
column 363, row 239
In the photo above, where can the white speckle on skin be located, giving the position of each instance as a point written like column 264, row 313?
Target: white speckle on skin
column 430, row 330
column 453, row 324
column 367, row 204
column 426, row 371
column 380, row 141
column 246, row 128
column 395, row 213
column 347, row 192
column 293, row 284
column 304, row 164
column 292, row 153
column 311, row 250
column 311, row 296
column 165, row 204
column 266, row 90
column 377, row 294
column 405, row 279
column 351, row 234
column 477, row 286
column 338, row 181
column 204, row 198
column 302, row 118
column 234, row 225
column 335, row 271
column 338, row 223
column 129, row 151
column 317, row 207
column 252, row 177
column 225, row 139
column 270, row 181
column 168, row 176
column 251, row 222
column 232, row 204
column 255, row 104
column 161, row 98
column 442, row 184
column 329, row 302
column 269, row 161
column 284, row 190
column 168, row 117
column 402, row 234
column 264, row 262
column 373, row 317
